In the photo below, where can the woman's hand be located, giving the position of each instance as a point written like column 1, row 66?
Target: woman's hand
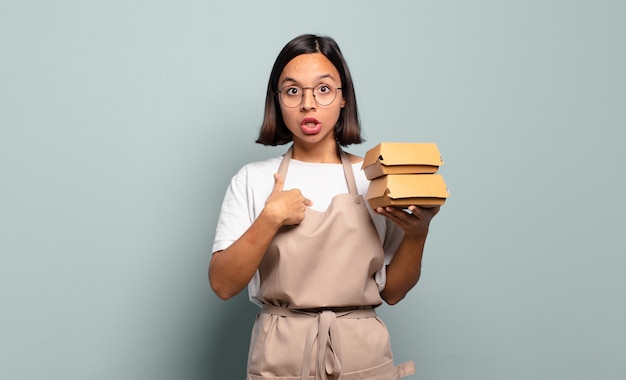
column 285, row 207
column 415, row 222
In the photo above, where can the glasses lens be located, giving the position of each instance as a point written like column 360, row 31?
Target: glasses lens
column 290, row 96
column 324, row 94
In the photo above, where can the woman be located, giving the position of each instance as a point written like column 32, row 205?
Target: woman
column 296, row 230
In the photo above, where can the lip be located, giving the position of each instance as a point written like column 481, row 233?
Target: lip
column 310, row 125
column 308, row 120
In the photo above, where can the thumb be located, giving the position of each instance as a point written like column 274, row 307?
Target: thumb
column 279, row 183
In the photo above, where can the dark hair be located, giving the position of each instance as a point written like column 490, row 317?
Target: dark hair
column 348, row 128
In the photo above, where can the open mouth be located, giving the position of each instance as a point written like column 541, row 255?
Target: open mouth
column 310, row 126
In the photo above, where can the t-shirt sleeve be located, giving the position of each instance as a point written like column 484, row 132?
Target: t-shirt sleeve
column 240, row 206
column 392, row 237
column 235, row 216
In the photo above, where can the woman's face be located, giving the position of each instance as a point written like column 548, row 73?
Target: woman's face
column 310, row 122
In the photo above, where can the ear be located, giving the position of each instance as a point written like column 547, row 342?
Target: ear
column 343, row 102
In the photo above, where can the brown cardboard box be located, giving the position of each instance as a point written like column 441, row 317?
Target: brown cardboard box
column 403, row 190
column 401, row 158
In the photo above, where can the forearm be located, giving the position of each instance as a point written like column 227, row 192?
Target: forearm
column 404, row 270
column 232, row 269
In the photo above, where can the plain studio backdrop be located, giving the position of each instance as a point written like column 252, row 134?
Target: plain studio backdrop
column 122, row 122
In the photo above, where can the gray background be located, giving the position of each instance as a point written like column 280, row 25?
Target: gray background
column 123, row 121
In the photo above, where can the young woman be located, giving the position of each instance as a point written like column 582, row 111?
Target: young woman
column 296, row 230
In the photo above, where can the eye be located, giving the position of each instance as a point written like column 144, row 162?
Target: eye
column 323, row 89
column 292, row 91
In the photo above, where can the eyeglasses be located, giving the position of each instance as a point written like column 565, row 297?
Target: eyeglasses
column 292, row 96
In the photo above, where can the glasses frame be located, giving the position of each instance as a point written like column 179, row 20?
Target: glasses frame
column 280, row 99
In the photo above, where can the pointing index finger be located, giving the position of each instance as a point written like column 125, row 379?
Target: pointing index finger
column 279, row 183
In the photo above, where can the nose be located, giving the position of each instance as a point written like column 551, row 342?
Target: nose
column 308, row 99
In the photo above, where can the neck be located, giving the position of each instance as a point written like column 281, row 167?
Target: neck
column 318, row 153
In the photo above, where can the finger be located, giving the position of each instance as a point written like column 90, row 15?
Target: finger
column 431, row 210
column 396, row 210
column 403, row 222
column 308, row 202
column 392, row 213
column 415, row 210
column 279, row 183
column 388, row 210
column 406, row 216
column 434, row 210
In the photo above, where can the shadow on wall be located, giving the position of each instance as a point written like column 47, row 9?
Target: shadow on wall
column 231, row 325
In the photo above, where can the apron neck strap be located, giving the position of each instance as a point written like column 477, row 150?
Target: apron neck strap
column 345, row 161
column 347, row 170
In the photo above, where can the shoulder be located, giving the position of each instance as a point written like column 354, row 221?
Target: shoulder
column 354, row 159
column 254, row 179
column 258, row 169
column 362, row 182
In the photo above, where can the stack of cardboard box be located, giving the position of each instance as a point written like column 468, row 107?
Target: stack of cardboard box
column 404, row 174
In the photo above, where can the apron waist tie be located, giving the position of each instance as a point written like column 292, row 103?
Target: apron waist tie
column 327, row 334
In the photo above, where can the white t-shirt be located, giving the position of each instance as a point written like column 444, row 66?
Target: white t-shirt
column 250, row 187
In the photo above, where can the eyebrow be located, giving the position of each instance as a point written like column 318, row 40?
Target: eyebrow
column 324, row 76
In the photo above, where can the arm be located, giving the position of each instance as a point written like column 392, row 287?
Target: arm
column 404, row 270
column 230, row 270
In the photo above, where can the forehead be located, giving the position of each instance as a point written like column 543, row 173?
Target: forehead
column 309, row 67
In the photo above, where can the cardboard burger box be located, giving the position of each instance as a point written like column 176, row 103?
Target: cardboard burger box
column 401, row 158
column 404, row 190
column 404, row 174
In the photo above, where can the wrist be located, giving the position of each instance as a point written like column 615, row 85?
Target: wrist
column 270, row 219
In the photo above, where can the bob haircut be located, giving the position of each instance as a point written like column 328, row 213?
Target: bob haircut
column 348, row 128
